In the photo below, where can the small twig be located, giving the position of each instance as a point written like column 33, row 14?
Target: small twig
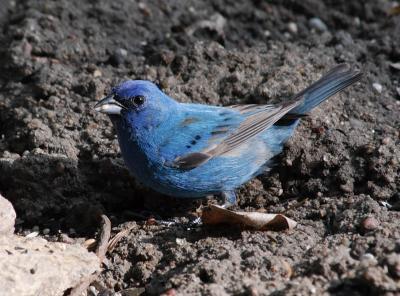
column 101, row 251
column 115, row 240
column 104, row 237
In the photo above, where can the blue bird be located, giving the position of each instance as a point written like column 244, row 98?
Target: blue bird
column 195, row 150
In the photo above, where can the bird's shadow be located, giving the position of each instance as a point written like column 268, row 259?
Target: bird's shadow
column 59, row 193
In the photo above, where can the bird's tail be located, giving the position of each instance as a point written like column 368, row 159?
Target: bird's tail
column 331, row 83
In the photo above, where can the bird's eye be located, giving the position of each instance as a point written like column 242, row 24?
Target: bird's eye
column 138, row 100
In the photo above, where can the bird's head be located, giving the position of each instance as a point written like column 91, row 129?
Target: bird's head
column 139, row 102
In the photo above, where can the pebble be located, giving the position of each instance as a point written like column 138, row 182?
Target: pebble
column 51, row 114
column 46, row 231
column 369, row 224
column 393, row 262
column 322, row 213
column 64, row 238
column 357, row 21
column 97, row 73
column 122, row 52
column 385, row 204
column 368, row 257
column 118, row 57
column 35, row 123
column 180, row 241
column 386, row 140
column 32, row 234
column 348, row 187
column 37, row 151
column 292, row 27
column 378, row 87
column 318, row 24
column 144, row 8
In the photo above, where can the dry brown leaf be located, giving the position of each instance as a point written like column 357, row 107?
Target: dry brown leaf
column 261, row 221
column 394, row 10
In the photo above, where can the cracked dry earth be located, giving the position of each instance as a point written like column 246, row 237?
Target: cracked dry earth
column 338, row 177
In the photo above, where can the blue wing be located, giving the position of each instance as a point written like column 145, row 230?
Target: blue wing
column 204, row 132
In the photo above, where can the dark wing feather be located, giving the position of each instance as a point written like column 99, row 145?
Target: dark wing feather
column 191, row 160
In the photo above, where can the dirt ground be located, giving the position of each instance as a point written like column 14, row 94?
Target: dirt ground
column 61, row 167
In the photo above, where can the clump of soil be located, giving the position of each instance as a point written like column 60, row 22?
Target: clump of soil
column 61, row 167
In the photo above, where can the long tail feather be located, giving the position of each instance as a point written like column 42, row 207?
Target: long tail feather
column 331, row 83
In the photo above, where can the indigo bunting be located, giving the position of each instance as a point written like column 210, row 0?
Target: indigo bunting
column 195, row 150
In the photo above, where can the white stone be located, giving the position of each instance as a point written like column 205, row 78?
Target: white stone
column 34, row 266
column 378, row 87
column 292, row 27
column 7, row 217
column 318, row 24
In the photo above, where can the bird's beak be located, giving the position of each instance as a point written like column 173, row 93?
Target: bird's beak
column 109, row 106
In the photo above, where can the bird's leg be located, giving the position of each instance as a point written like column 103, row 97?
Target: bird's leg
column 228, row 198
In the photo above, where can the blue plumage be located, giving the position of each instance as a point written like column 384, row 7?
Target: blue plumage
column 193, row 150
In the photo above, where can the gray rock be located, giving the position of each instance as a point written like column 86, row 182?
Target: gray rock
column 7, row 217
column 393, row 263
column 292, row 27
column 118, row 57
column 377, row 87
column 38, row 267
column 318, row 24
